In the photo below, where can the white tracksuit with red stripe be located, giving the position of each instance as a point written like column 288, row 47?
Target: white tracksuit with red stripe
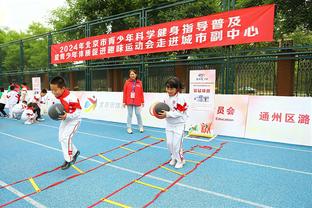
column 175, row 127
column 69, row 126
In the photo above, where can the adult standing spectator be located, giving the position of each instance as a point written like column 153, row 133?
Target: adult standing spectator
column 133, row 98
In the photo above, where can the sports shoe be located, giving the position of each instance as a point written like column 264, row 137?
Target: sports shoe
column 28, row 122
column 40, row 119
column 172, row 162
column 65, row 165
column 141, row 130
column 180, row 164
column 129, row 130
column 75, row 157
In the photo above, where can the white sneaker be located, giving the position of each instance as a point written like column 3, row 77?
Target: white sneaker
column 27, row 122
column 172, row 162
column 40, row 119
column 180, row 164
column 141, row 130
column 129, row 130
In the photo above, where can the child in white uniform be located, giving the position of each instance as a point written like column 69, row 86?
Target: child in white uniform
column 18, row 109
column 28, row 115
column 70, row 120
column 12, row 99
column 176, row 119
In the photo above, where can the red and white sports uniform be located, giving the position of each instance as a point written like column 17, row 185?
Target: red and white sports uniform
column 12, row 99
column 29, row 116
column 176, row 119
column 18, row 109
column 69, row 126
column 24, row 93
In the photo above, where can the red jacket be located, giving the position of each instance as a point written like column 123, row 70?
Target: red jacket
column 138, row 92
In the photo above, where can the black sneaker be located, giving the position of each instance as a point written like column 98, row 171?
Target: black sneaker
column 65, row 165
column 75, row 157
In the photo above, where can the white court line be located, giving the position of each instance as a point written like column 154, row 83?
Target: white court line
column 154, row 177
column 220, row 158
column 265, row 166
column 247, row 143
column 266, row 145
column 20, row 194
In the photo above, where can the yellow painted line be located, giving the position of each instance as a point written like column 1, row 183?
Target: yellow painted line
column 33, row 183
column 76, row 168
column 157, row 138
column 131, row 150
column 150, row 185
column 192, row 161
column 115, row 203
column 197, row 153
column 174, row 171
column 105, row 158
column 142, row 143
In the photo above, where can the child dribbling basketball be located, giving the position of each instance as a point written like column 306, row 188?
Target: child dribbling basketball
column 70, row 120
column 176, row 119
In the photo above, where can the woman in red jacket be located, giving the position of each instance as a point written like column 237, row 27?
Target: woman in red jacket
column 133, row 98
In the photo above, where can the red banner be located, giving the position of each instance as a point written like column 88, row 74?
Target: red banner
column 249, row 25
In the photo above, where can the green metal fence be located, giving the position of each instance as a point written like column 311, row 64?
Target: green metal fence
column 243, row 69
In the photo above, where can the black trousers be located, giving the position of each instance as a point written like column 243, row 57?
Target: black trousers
column 37, row 110
column 2, row 109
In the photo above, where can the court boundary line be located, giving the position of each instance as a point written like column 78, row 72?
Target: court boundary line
column 20, row 194
column 228, row 140
column 263, row 165
column 158, row 147
column 154, row 177
column 220, row 158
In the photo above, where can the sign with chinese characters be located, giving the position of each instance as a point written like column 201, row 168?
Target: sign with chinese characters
column 230, row 115
column 36, row 85
column 248, row 25
column 280, row 119
column 201, row 100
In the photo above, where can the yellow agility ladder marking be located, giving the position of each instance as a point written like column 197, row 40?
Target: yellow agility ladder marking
column 130, row 150
column 105, row 158
column 192, row 161
column 198, row 153
column 115, row 203
column 161, row 139
column 76, row 168
column 176, row 172
column 150, row 185
column 33, row 183
column 142, row 143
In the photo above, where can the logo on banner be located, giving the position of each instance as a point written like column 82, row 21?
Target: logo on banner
column 201, row 77
column 90, row 104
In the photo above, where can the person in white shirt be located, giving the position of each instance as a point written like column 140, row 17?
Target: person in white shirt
column 28, row 115
column 176, row 119
column 38, row 101
column 12, row 99
column 24, row 91
column 3, row 101
column 18, row 109
column 70, row 120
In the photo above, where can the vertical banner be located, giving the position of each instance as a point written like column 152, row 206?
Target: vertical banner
column 202, row 96
column 36, row 85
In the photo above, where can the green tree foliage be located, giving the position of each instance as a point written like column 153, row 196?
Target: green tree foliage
column 35, row 49
column 292, row 17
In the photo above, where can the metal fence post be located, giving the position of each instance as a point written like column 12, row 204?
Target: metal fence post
column 21, row 61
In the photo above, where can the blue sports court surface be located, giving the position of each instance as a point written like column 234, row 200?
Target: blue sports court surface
column 116, row 169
